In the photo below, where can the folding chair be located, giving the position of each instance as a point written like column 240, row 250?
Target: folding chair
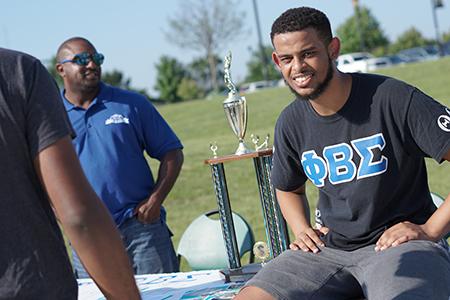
column 202, row 243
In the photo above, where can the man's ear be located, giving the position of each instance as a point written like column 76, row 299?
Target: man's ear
column 334, row 47
column 276, row 60
column 60, row 69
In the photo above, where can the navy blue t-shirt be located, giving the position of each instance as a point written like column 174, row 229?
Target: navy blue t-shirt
column 367, row 160
column 33, row 259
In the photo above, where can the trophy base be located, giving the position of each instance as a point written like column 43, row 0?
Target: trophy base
column 242, row 274
column 242, row 149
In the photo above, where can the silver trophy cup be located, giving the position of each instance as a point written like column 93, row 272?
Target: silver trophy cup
column 235, row 108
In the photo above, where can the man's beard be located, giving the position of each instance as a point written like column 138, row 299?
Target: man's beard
column 320, row 89
column 90, row 86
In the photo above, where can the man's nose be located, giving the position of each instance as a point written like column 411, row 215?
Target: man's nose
column 298, row 64
column 91, row 64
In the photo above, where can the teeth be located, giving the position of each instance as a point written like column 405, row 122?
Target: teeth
column 302, row 78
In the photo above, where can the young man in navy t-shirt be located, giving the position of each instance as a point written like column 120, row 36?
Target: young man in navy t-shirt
column 361, row 139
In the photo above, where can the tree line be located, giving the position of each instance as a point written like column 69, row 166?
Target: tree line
column 206, row 28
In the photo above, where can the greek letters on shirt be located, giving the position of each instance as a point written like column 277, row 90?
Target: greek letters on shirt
column 336, row 162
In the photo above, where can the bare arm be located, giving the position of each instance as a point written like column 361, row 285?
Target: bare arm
column 295, row 209
column 434, row 229
column 169, row 168
column 86, row 221
column 439, row 223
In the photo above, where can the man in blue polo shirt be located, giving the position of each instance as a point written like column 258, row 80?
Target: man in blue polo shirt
column 114, row 127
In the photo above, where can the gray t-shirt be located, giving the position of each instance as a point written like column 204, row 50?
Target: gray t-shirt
column 33, row 259
column 367, row 160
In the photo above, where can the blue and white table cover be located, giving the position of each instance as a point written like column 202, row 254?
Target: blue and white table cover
column 171, row 286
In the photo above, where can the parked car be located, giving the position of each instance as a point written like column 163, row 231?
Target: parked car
column 353, row 62
column 361, row 62
column 419, row 54
column 446, row 48
column 250, row 87
column 396, row 60
column 378, row 62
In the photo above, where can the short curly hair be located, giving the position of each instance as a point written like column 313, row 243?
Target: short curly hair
column 297, row 19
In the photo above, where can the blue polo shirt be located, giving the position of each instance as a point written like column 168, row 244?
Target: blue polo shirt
column 111, row 137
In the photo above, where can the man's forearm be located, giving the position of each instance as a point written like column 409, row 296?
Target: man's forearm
column 295, row 209
column 438, row 225
column 168, row 172
column 86, row 221
column 97, row 243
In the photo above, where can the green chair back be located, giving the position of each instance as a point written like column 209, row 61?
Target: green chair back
column 202, row 243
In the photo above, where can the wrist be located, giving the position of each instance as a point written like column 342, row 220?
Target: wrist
column 155, row 199
column 431, row 232
column 301, row 229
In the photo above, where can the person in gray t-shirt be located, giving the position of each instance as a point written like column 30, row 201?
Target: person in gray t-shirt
column 361, row 139
column 40, row 176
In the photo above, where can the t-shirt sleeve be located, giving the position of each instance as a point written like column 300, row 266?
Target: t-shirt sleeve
column 46, row 119
column 159, row 138
column 429, row 124
column 287, row 172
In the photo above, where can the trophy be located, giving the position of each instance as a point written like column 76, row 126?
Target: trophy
column 261, row 251
column 235, row 108
column 244, row 273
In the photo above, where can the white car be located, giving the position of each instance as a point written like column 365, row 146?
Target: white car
column 361, row 62
column 353, row 62
column 250, row 87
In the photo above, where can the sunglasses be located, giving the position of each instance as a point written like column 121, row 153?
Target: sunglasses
column 82, row 59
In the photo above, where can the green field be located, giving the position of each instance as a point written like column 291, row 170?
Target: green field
column 198, row 123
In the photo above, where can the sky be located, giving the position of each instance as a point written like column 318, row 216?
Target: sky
column 131, row 34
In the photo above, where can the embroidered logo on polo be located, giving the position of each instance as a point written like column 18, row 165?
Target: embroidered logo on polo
column 117, row 119
column 337, row 165
column 444, row 121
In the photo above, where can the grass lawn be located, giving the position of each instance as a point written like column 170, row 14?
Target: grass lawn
column 198, row 123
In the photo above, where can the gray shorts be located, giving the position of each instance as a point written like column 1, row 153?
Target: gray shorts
column 413, row 270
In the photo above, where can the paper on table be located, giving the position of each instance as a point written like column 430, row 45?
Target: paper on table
column 170, row 286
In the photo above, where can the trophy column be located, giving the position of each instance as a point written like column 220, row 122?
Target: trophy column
column 274, row 223
column 235, row 108
column 275, row 226
column 226, row 219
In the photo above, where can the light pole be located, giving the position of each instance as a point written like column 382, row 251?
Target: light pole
column 358, row 25
column 435, row 4
column 261, row 48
